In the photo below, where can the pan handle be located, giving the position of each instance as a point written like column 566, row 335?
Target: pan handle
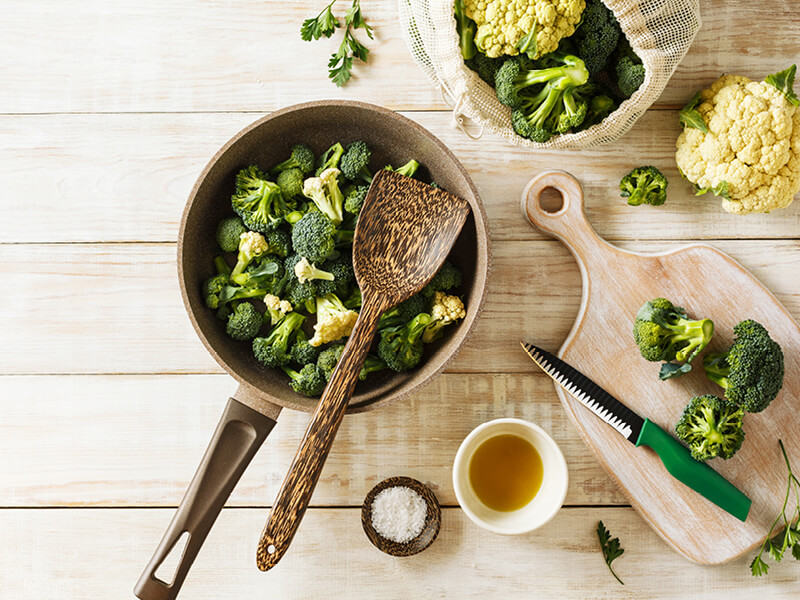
column 239, row 435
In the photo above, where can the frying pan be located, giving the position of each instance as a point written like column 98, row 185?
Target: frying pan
column 251, row 413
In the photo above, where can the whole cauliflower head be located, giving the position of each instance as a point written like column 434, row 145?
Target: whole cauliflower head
column 752, row 143
column 502, row 23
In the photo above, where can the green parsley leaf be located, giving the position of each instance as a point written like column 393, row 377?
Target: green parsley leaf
column 353, row 17
column 610, row 547
column 323, row 25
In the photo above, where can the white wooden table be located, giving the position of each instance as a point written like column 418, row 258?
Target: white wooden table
column 108, row 112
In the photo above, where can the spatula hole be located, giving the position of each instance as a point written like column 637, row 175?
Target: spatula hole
column 168, row 568
column 551, row 200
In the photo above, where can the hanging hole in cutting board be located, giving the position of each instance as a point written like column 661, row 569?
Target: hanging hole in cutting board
column 166, row 571
column 551, row 200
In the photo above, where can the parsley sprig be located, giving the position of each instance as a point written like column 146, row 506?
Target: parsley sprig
column 610, row 547
column 325, row 24
column 790, row 540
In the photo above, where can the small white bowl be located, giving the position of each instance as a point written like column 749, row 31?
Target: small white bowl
column 545, row 503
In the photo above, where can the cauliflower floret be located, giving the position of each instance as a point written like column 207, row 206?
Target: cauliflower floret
column 752, row 144
column 445, row 310
column 252, row 244
column 502, row 23
column 334, row 321
column 276, row 308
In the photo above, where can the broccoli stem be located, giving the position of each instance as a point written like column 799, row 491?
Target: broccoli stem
column 718, row 370
column 221, row 265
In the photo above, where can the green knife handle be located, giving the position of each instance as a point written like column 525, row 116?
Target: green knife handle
column 697, row 475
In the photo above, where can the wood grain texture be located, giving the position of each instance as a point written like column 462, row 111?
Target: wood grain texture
column 406, row 229
column 61, row 457
column 115, row 308
column 701, row 279
column 129, row 56
column 332, row 558
column 126, row 178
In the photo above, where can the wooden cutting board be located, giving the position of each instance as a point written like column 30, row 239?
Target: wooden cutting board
column 707, row 283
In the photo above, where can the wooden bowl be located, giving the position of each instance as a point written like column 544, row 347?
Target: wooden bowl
column 393, row 139
column 433, row 518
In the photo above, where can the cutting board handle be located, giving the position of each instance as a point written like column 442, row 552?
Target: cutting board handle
column 567, row 222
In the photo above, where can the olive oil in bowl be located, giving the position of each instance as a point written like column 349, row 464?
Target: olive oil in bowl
column 506, row 472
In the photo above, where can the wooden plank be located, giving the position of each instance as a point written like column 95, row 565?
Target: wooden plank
column 78, row 552
column 136, row 440
column 127, row 177
column 209, row 56
column 116, row 308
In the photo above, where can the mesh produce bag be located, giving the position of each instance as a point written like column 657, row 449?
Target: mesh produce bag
column 659, row 31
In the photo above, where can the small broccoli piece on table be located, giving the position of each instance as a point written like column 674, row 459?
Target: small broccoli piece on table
column 408, row 169
column 334, row 320
column 328, row 358
column 273, row 350
column 251, row 245
column 401, row 347
column 711, row 427
column 355, row 199
column 291, row 183
column 751, row 371
column 257, row 201
column 644, row 185
column 324, row 192
column 330, row 158
column 597, row 36
column 444, row 311
column 301, row 351
column 309, row 381
column 372, row 364
column 301, row 157
column 664, row 332
column 228, row 232
column 244, row 322
column 544, row 99
column 465, row 27
column 314, row 236
column 212, row 289
column 404, row 312
column 355, row 162
column 448, row 277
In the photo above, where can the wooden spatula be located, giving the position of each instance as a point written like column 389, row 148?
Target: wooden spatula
column 405, row 231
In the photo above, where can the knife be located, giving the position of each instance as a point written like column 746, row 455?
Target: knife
column 643, row 432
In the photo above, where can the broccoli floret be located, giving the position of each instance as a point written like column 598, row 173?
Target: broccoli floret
column 597, row 35
column 328, row 358
column 751, row 371
column 298, row 292
column 229, row 231
column 550, row 105
column 465, row 27
column 447, row 277
column 599, row 108
column 314, row 236
column 711, row 427
column 353, row 301
column 212, row 289
column 330, row 158
column 302, row 352
column 408, row 169
column 309, row 381
column 291, row 184
column 343, row 275
column 644, row 185
column 444, row 311
column 244, row 322
column 401, row 347
column 355, row 199
column 404, row 312
column 372, row 364
column 629, row 69
column 301, row 157
column 334, row 320
column 273, row 350
column 664, row 332
column 325, row 193
column 486, row 67
column 355, row 162
column 257, row 201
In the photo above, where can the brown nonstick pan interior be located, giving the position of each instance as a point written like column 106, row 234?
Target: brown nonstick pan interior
column 393, row 140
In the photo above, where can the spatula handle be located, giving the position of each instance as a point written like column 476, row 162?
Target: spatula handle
column 298, row 487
